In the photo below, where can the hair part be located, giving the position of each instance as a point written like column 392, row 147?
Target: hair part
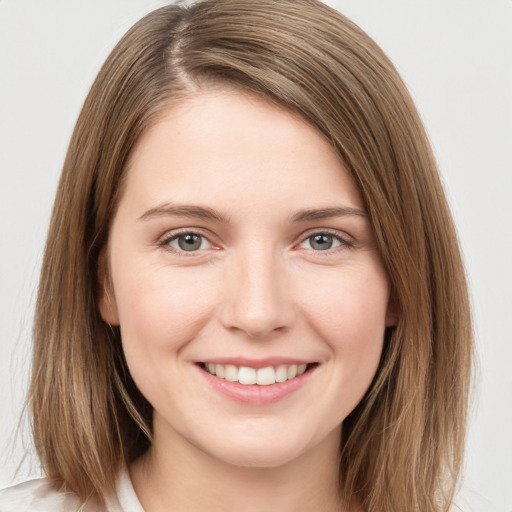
column 403, row 444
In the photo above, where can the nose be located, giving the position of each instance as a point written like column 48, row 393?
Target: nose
column 257, row 302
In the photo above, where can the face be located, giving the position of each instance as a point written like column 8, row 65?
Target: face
column 244, row 275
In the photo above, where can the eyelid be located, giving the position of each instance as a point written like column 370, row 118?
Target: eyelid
column 346, row 241
column 164, row 241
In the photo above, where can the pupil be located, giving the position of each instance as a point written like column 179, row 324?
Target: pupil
column 321, row 242
column 189, row 242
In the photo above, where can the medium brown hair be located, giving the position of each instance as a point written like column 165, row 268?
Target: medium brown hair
column 402, row 446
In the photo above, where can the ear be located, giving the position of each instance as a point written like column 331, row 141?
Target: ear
column 392, row 312
column 106, row 299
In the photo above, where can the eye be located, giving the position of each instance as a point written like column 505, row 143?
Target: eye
column 188, row 242
column 322, row 242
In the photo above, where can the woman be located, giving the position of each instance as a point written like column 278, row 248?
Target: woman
column 252, row 295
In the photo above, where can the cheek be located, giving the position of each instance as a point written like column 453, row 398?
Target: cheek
column 347, row 310
column 160, row 311
column 347, row 307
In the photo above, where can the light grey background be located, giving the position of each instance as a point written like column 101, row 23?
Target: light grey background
column 456, row 57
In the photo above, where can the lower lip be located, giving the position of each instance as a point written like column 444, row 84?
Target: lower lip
column 254, row 394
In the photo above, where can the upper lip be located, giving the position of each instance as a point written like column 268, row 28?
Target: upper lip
column 255, row 363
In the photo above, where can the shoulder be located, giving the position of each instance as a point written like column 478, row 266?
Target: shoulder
column 40, row 495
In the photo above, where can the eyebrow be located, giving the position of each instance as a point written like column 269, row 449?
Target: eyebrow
column 325, row 213
column 205, row 213
column 184, row 210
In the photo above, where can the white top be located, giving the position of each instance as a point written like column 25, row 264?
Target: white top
column 40, row 495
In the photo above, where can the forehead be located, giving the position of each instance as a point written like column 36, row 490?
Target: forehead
column 219, row 142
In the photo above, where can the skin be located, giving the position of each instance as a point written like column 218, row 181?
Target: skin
column 255, row 288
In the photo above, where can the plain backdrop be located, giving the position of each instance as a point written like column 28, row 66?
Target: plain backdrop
column 455, row 56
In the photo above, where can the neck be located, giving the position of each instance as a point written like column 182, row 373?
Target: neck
column 177, row 473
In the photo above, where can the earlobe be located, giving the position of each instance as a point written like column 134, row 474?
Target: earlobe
column 391, row 319
column 391, row 313
column 106, row 299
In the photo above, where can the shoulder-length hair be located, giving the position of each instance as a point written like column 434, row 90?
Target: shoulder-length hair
column 402, row 446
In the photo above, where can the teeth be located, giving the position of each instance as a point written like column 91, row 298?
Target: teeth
column 220, row 371
column 261, row 376
column 247, row 375
column 266, row 376
column 292, row 371
column 281, row 373
column 231, row 373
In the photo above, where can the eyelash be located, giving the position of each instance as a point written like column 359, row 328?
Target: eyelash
column 175, row 235
column 344, row 241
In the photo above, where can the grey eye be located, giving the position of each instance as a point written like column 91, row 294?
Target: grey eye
column 188, row 242
column 321, row 242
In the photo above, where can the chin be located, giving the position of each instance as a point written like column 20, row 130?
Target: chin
column 265, row 450
column 259, row 457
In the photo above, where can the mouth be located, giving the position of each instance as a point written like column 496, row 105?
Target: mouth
column 250, row 376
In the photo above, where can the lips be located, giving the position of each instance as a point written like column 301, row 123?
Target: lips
column 256, row 382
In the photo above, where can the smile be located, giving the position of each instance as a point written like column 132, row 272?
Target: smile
column 260, row 376
column 256, row 382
